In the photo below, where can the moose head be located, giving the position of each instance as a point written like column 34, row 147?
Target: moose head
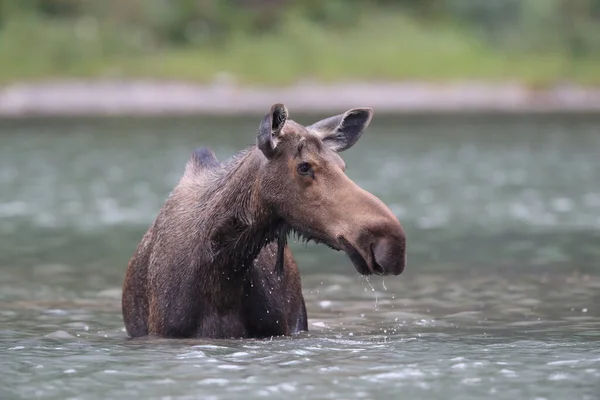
column 303, row 181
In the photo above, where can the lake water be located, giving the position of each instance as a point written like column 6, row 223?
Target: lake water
column 500, row 298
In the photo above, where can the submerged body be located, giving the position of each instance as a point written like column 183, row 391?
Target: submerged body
column 215, row 262
column 267, row 305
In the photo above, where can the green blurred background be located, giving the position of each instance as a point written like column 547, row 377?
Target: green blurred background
column 274, row 42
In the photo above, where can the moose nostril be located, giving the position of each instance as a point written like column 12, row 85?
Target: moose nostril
column 388, row 256
column 377, row 268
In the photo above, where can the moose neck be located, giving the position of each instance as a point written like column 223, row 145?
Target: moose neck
column 245, row 224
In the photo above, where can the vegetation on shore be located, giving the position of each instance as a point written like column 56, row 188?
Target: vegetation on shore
column 276, row 42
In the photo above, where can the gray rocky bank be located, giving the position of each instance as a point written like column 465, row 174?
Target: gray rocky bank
column 147, row 98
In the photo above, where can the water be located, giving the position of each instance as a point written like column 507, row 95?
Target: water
column 500, row 298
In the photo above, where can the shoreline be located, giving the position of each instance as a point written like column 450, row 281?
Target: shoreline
column 70, row 98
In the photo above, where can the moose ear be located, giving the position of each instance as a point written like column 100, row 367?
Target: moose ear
column 270, row 129
column 342, row 131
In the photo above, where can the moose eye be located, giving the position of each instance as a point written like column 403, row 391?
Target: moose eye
column 304, row 168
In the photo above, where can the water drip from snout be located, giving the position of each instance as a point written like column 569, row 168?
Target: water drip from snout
column 376, row 305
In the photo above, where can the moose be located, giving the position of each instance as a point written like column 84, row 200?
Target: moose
column 215, row 263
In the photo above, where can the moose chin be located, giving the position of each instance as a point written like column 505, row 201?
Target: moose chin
column 215, row 263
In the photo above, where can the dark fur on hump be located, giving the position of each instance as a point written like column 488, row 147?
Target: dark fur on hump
column 204, row 157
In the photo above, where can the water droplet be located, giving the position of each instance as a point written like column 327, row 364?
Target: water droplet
column 372, row 290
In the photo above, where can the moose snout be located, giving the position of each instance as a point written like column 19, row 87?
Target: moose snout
column 389, row 255
column 371, row 235
column 376, row 252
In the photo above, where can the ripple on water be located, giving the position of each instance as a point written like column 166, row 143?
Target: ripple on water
column 60, row 335
column 214, row 381
column 406, row 373
column 231, row 367
column 191, row 354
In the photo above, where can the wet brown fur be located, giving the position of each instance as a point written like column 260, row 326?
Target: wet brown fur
column 167, row 292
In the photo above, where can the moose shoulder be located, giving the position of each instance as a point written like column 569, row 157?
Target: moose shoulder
column 215, row 262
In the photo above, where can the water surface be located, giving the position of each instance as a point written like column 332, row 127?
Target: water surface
column 499, row 300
